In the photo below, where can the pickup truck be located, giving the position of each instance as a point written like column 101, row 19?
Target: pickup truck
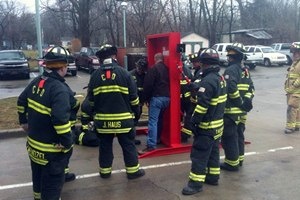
column 267, row 55
column 87, row 60
column 251, row 60
column 285, row 49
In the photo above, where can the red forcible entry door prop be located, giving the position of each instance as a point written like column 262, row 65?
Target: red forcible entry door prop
column 166, row 43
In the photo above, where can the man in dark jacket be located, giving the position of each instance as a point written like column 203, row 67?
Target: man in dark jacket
column 44, row 109
column 208, row 124
column 157, row 93
column 112, row 93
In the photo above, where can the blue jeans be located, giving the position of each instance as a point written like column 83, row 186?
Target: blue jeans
column 157, row 105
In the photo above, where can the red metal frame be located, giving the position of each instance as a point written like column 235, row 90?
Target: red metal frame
column 166, row 44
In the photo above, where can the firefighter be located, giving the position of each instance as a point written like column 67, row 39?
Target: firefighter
column 207, row 120
column 112, row 93
column 86, row 136
column 185, row 103
column 292, row 88
column 246, row 89
column 233, row 111
column 44, row 109
column 138, row 75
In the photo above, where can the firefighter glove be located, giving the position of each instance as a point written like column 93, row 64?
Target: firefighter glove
column 247, row 105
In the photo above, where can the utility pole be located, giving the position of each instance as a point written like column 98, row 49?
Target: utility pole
column 38, row 32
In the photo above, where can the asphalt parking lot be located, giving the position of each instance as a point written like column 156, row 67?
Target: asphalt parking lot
column 270, row 172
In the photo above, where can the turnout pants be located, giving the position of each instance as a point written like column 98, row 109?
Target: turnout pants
column 293, row 111
column 205, row 157
column 48, row 180
column 126, row 140
column 230, row 142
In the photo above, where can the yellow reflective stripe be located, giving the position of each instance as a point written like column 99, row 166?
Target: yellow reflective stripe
column 44, row 147
column 131, row 170
column 109, row 131
column 105, row 170
column 195, row 177
column 67, row 170
column 193, row 99
column 200, row 109
column 135, row 102
column 62, row 129
column 241, row 158
column 183, row 82
column 293, row 75
column 234, row 95
column 85, row 126
column 140, row 89
column 38, row 107
column 37, row 195
column 233, row 110
column 212, row 124
column 80, row 138
column 38, row 161
column 186, row 131
column 110, row 88
column 118, row 116
column 21, row 109
column 220, row 99
column 248, row 95
column 83, row 114
column 187, row 94
column 243, row 87
column 219, row 133
column 232, row 163
column 73, row 122
column 214, row 170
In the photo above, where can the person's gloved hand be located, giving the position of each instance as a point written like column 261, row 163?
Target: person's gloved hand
column 247, row 105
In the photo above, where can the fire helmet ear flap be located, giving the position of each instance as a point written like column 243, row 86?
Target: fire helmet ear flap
column 106, row 51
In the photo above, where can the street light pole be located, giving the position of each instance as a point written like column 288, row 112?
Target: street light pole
column 124, row 5
column 38, row 31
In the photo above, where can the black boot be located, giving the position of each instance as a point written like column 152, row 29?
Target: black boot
column 192, row 187
column 227, row 167
column 137, row 174
column 211, row 180
column 70, row 177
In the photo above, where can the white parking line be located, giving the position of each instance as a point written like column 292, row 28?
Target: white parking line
column 6, row 187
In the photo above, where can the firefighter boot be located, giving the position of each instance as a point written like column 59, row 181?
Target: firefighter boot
column 137, row 174
column 288, row 131
column 227, row 167
column 212, row 180
column 192, row 187
column 70, row 177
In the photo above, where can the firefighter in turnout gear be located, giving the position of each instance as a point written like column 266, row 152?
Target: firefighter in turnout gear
column 246, row 89
column 138, row 75
column 86, row 136
column 292, row 88
column 208, row 124
column 112, row 93
column 185, row 102
column 45, row 107
column 233, row 111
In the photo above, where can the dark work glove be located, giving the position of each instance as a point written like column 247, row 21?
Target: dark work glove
column 247, row 105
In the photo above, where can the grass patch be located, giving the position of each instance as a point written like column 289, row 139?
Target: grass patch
column 9, row 118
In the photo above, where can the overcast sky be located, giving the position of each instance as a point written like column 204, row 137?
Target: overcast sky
column 30, row 4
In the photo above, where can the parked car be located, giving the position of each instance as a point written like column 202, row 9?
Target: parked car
column 72, row 69
column 87, row 60
column 285, row 49
column 269, row 55
column 251, row 61
column 14, row 62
